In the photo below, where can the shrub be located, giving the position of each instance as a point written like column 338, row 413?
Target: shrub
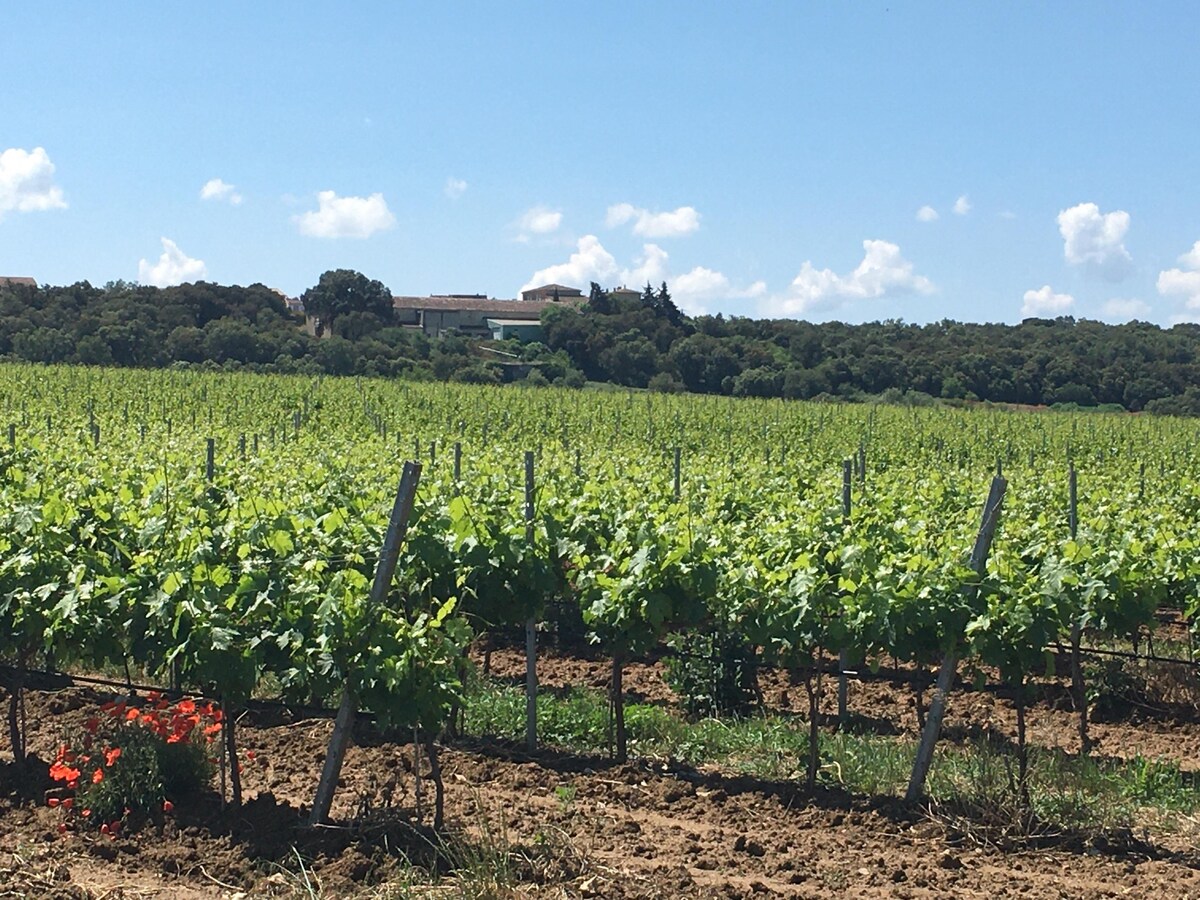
column 134, row 761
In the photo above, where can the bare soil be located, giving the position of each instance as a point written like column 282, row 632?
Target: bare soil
column 580, row 827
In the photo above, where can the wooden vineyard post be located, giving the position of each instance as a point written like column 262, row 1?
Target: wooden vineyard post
column 1078, row 689
column 340, row 739
column 843, row 696
column 531, row 679
column 945, row 679
column 678, row 453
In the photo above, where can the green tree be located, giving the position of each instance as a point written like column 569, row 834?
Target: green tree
column 598, row 300
column 340, row 292
column 665, row 305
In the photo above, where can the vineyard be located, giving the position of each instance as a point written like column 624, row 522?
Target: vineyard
column 231, row 537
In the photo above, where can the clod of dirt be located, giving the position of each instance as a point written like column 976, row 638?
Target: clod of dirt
column 752, row 847
column 950, row 861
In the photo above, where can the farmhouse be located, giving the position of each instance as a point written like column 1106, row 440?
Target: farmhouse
column 468, row 314
column 555, row 292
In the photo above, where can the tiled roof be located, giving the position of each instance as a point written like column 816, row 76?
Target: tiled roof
column 14, row 280
column 531, row 309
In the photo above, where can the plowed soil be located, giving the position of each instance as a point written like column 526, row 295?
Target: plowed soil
column 578, row 826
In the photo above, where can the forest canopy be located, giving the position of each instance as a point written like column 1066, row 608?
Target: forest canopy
column 643, row 342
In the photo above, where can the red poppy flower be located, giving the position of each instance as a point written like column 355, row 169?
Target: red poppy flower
column 97, row 776
column 111, row 756
column 62, row 772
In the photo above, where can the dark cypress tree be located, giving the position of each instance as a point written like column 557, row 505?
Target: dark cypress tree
column 649, row 298
column 666, row 305
column 598, row 301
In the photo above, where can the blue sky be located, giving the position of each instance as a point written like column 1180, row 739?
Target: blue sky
column 853, row 161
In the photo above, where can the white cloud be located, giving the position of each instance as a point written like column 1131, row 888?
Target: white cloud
column 173, row 267
column 345, row 217
column 1045, row 302
column 692, row 291
column 1191, row 259
column 455, row 188
column 927, row 214
column 882, row 272
column 696, row 290
column 1096, row 240
column 538, row 220
column 1183, row 282
column 681, row 221
column 962, row 206
column 216, row 189
column 651, row 268
column 27, row 182
column 1125, row 310
column 590, row 262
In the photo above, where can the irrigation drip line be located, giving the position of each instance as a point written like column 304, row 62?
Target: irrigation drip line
column 1125, row 654
column 129, row 687
column 923, row 676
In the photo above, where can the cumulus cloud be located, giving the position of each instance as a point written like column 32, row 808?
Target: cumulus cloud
column 1185, row 281
column 345, row 217
column 455, row 188
column 695, row 291
column 1096, row 240
column 27, row 182
column 1045, row 303
column 676, row 223
column 216, row 189
column 651, row 267
column 927, row 214
column 590, row 262
column 173, row 267
column 1120, row 309
column 962, row 206
column 538, row 220
column 883, row 272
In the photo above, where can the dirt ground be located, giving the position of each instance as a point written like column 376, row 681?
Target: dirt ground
column 579, row 826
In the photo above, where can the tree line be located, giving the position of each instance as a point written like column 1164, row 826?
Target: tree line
column 644, row 342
